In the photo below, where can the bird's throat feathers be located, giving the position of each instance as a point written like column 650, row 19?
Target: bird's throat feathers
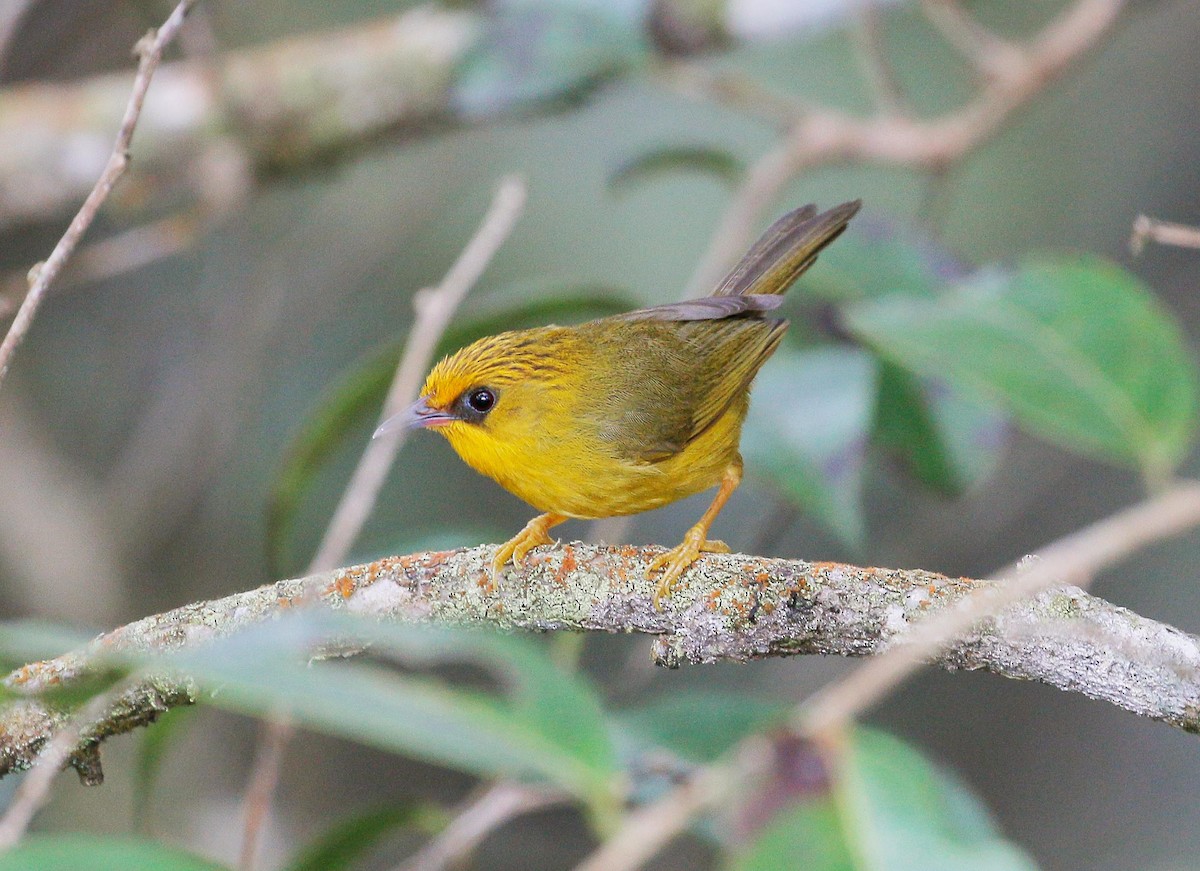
column 527, row 371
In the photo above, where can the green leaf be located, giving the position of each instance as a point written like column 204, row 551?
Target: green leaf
column 550, row 725
column 875, row 262
column 699, row 725
column 351, row 839
column 151, row 751
column 23, row 641
column 807, row 432
column 560, row 703
column 1075, row 347
column 948, row 440
column 890, row 809
column 808, row 835
column 717, row 162
column 77, row 852
column 349, row 407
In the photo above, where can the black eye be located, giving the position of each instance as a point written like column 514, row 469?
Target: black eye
column 481, row 400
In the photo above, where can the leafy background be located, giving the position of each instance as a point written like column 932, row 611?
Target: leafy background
column 893, row 428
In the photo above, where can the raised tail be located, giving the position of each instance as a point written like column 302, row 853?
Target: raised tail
column 786, row 249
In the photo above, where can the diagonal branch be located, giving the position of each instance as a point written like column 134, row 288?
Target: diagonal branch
column 149, row 50
column 823, row 137
column 728, row 607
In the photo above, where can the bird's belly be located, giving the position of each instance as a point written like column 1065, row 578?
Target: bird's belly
column 578, row 481
column 609, row 490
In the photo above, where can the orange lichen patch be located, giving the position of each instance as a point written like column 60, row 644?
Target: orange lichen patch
column 711, row 598
column 768, row 607
column 485, row 583
column 343, row 585
column 436, row 558
column 386, row 565
column 23, row 675
column 567, row 566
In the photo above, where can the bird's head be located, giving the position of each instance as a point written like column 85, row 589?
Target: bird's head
column 489, row 396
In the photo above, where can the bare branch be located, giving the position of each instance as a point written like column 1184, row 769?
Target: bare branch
column 648, row 829
column 727, row 607
column 274, row 737
column 992, row 56
column 499, row 803
column 31, row 795
column 116, row 255
column 876, row 64
column 1147, row 229
column 149, row 49
column 1074, row 559
column 826, row 137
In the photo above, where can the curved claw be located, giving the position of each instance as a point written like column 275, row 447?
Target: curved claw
column 676, row 561
column 536, row 532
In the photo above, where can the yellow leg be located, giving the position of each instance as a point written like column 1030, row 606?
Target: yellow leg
column 676, row 561
column 535, row 532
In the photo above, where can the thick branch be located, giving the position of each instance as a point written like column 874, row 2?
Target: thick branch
column 728, row 607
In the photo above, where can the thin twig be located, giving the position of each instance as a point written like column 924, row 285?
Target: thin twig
column 992, row 56
column 733, row 89
column 497, row 805
column 34, row 790
column 876, row 64
column 274, row 736
column 1074, row 559
column 651, row 827
column 116, row 255
column 825, row 137
column 434, row 309
column 1147, row 229
column 150, row 50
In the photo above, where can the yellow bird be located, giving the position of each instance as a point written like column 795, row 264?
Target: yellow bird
column 626, row 413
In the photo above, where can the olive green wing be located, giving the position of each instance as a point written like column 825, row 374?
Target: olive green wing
column 728, row 357
column 679, row 377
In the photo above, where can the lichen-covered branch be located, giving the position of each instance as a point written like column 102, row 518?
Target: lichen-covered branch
column 728, row 607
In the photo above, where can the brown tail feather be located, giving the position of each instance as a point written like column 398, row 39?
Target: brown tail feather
column 786, row 249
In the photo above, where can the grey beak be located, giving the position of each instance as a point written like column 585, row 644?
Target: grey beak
column 417, row 416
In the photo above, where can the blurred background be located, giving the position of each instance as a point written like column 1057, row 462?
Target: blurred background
column 316, row 164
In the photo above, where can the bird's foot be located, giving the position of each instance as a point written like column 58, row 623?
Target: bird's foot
column 535, row 533
column 675, row 562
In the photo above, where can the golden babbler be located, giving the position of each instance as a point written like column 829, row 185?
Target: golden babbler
column 625, row 413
